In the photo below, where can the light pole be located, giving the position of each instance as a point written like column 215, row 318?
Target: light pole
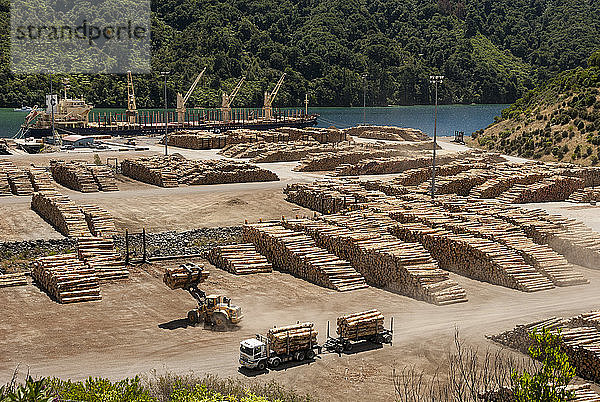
column 364, row 77
column 434, row 79
column 164, row 74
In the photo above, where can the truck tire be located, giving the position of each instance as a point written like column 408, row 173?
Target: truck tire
column 275, row 362
column 339, row 348
column 348, row 347
column 299, row 356
column 261, row 365
column 192, row 317
column 310, row 354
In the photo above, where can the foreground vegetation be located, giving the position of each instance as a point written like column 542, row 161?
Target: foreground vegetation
column 558, row 121
column 489, row 51
column 165, row 388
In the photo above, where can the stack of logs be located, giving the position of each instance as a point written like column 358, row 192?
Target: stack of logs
column 16, row 279
column 292, row 338
column 74, row 175
column 104, row 177
column 66, row 278
column 40, row 179
column 61, row 212
column 298, row 254
column 17, row 178
column 579, row 340
column 557, row 188
column 100, row 255
column 4, row 186
column 197, row 140
column 185, row 275
column 356, row 325
column 99, row 221
column 588, row 194
column 389, row 133
column 239, row 259
column 170, row 171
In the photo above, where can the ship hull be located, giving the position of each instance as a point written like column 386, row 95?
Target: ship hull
column 126, row 131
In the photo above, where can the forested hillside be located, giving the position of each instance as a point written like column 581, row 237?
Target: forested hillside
column 557, row 121
column 491, row 51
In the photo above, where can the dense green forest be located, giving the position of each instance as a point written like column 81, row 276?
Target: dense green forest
column 491, row 51
column 556, row 121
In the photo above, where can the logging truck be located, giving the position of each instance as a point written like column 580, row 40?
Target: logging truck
column 288, row 345
column 366, row 326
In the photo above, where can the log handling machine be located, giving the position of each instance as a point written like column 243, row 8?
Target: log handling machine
column 215, row 311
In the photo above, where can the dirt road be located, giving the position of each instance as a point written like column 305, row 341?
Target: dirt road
column 139, row 326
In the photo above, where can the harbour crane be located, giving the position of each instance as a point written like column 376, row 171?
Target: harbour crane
column 182, row 100
column 131, row 112
column 228, row 100
column 267, row 109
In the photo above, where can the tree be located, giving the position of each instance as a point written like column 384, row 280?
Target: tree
column 594, row 60
column 548, row 383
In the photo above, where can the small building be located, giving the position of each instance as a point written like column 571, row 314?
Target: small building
column 78, row 141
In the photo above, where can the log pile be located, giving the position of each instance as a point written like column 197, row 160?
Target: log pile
column 17, row 178
column 557, row 188
column 185, row 275
column 585, row 195
column 66, row 278
column 292, row 338
column 4, row 186
column 580, row 343
column 100, row 254
column 383, row 260
column 62, row 213
column 99, row 221
column 239, row 259
column 40, row 179
column 322, row 135
column 296, row 253
column 507, row 178
column 104, row 177
column 389, row 133
column 356, row 325
column 197, row 140
column 74, row 175
column 152, row 170
column 241, row 136
column 317, row 198
column 9, row 280
column 170, row 171
column 460, row 184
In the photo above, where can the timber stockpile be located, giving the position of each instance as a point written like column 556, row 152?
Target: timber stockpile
column 389, row 133
column 297, row 254
column 100, row 255
column 281, row 151
column 575, row 241
column 62, row 213
column 17, row 179
column 383, row 260
column 557, row 188
column 196, row 140
column 329, row 161
column 74, row 175
column 239, row 259
column 318, row 198
column 66, row 278
column 173, row 170
column 460, row 184
column 4, row 186
column 16, row 279
column 541, row 257
column 291, row 338
column 357, row 325
column 104, row 177
column 581, row 342
column 584, row 195
column 99, row 221
column 185, row 275
column 322, row 135
column 41, row 179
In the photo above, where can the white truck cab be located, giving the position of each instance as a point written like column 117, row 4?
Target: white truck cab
column 253, row 353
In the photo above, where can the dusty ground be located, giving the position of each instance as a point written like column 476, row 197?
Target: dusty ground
column 139, row 326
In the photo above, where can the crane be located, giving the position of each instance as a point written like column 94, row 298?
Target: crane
column 228, row 100
column 131, row 112
column 182, row 100
column 267, row 109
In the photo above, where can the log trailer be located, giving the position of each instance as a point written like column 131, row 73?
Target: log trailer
column 346, row 343
column 260, row 352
